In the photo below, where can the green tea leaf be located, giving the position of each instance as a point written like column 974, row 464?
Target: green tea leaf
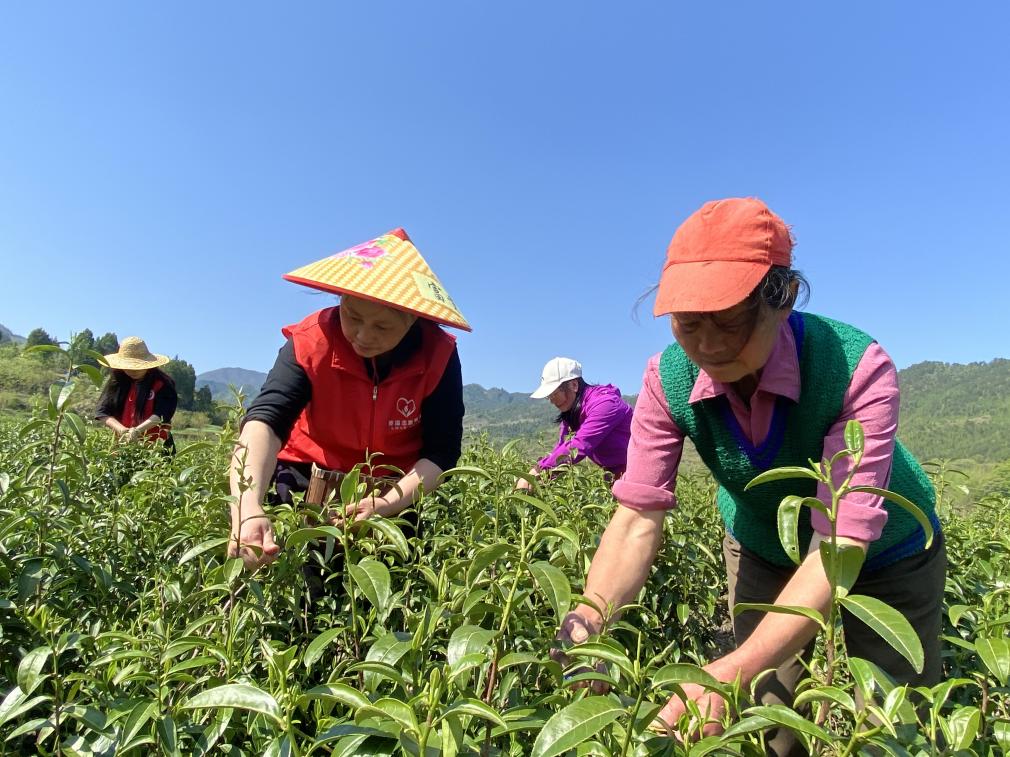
column 806, row 612
column 679, row 673
column 465, row 470
column 789, row 526
column 608, row 651
column 826, row 694
column 574, row 724
column 391, row 532
column 467, row 640
column 335, row 692
column 372, row 577
column 65, row 393
column 906, row 504
column 889, row 624
column 537, row 503
column 793, row 721
column 475, row 708
column 961, row 727
column 555, row 586
column 241, row 696
column 518, row 658
column 849, row 564
column 399, row 712
column 486, row 556
column 995, row 655
column 16, row 704
column 199, row 549
column 854, row 437
column 318, row 645
column 778, row 474
column 31, row 667
column 305, row 535
column 388, row 650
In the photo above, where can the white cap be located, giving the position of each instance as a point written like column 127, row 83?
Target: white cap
column 557, row 371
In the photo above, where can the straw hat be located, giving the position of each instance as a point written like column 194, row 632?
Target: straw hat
column 388, row 270
column 133, row 355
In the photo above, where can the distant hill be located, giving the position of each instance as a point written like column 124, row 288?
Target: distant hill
column 219, row 380
column 947, row 410
column 956, row 411
column 505, row 415
column 6, row 335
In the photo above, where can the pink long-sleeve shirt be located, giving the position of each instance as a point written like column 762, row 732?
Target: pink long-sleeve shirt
column 657, row 442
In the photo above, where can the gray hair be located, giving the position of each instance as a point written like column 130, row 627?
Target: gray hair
column 775, row 289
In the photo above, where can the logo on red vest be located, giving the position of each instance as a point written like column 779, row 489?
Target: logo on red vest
column 406, row 407
column 150, row 395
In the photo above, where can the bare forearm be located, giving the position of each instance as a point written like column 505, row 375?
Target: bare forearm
column 778, row 636
column 151, row 421
column 253, row 463
column 115, row 425
column 622, row 561
column 422, row 477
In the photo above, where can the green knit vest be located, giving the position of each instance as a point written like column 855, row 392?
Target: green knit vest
column 828, row 354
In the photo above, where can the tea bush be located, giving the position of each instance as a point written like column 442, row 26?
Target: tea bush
column 125, row 630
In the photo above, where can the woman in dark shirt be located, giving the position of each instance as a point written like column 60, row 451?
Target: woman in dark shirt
column 375, row 379
column 139, row 399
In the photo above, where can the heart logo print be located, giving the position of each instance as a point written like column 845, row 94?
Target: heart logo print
column 406, row 407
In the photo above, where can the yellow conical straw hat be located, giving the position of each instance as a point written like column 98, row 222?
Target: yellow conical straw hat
column 388, row 270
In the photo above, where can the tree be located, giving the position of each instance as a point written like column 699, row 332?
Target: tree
column 184, row 376
column 107, row 343
column 203, row 400
column 80, row 345
column 38, row 336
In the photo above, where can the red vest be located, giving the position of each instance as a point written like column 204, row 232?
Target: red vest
column 129, row 415
column 349, row 415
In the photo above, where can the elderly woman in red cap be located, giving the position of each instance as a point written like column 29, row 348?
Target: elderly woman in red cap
column 139, row 399
column 374, row 380
column 756, row 385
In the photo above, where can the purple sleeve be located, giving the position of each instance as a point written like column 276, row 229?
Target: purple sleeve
column 654, row 451
column 602, row 414
column 872, row 399
column 561, row 451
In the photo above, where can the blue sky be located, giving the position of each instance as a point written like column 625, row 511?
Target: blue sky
column 161, row 165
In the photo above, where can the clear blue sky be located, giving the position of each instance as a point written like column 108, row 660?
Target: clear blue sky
column 162, row 164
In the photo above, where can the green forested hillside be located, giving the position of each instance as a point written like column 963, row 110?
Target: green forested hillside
column 956, row 411
column 948, row 410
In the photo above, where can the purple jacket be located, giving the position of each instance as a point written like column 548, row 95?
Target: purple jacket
column 603, row 432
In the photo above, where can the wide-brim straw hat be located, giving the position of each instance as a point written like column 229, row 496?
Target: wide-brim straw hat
column 133, row 355
column 388, row 270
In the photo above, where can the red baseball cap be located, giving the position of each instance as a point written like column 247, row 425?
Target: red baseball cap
column 719, row 254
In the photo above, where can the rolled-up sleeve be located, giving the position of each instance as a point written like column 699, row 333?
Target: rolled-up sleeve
column 654, row 451
column 601, row 417
column 872, row 399
column 563, row 451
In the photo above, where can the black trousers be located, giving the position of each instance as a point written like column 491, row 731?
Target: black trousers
column 912, row 586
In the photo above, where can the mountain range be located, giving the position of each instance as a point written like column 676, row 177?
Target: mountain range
column 220, row 379
column 6, row 335
column 947, row 409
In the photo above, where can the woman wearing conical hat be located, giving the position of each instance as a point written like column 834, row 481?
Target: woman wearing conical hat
column 375, row 379
column 139, row 399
